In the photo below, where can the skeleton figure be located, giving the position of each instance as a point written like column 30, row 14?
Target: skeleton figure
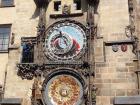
column 66, row 10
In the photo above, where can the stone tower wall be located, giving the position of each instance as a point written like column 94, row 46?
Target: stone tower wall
column 114, row 71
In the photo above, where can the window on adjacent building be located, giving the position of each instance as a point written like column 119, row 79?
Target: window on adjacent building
column 27, row 53
column 77, row 4
column 7, row 3
column 57, row 5
column 5, row 31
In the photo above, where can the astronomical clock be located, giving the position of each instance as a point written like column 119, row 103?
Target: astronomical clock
column 60, row 58
column 65, row 45
column 65, row 41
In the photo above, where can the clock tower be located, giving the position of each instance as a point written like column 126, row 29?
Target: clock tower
column 69, row 52
column 63, row 53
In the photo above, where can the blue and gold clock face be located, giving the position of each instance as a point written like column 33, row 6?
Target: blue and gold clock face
column 65, row 41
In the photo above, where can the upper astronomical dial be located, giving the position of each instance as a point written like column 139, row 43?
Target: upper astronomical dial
column 65, row 41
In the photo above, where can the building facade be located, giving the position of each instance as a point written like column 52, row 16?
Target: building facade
column 69, row 52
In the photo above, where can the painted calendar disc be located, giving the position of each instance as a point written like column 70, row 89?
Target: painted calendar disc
column 63, row 89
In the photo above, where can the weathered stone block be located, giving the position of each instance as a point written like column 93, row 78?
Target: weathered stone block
column 97, row 75
column 122, row 69
column 101, row 65
column 107, row 80
column 120, row 92
column 121, row 75
column 132, row 92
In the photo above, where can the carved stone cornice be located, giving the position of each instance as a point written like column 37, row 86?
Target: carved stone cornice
column 31, row 40
column 31, row 70
column 26, row 70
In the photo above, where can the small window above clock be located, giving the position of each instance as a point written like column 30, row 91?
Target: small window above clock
column 62, row 9
column 57, row 5
column 77, row 4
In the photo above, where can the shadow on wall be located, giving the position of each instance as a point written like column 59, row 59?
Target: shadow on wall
column 83, row 6
column 93, row 3
column 43, row 4
column 36, row 13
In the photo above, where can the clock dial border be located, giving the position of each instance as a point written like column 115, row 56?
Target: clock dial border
column 80, row 80
column 57, row 25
